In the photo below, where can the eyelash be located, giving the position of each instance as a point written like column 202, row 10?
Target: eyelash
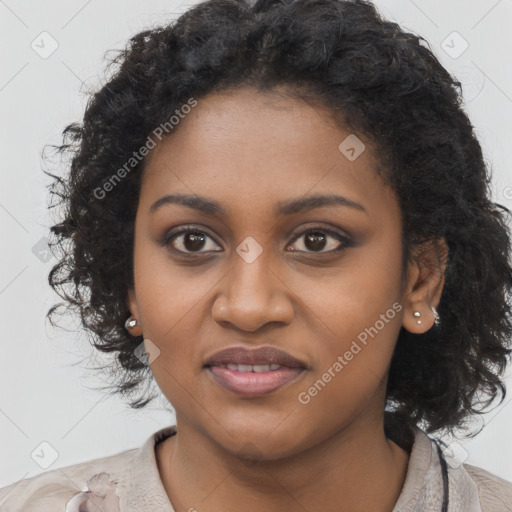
column 345, row 241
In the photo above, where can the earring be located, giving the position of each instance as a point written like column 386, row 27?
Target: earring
column 130, row 323
column 417, row 314
column 436, row 316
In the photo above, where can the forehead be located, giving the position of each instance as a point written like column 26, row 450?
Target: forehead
column 247, row 147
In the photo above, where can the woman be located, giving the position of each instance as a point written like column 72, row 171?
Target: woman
column 281, row 212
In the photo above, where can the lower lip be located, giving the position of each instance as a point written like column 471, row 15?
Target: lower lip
column 253, row 383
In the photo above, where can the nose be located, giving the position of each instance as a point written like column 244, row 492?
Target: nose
column 251, row 296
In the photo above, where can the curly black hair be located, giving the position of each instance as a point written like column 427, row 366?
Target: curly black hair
column 384, row 84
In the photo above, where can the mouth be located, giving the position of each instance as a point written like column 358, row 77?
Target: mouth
column 254, row 372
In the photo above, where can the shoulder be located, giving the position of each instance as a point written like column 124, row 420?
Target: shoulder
column 495, row 492
column 65, row 489
column 436, row 473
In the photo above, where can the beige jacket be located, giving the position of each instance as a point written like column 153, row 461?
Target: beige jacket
column 130, row 482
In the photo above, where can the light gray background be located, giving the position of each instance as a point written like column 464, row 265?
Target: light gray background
column 47, row 394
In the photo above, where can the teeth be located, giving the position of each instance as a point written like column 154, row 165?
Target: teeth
column 256, row 368
column 261, row 368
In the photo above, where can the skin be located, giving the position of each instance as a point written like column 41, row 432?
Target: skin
column 248, row 151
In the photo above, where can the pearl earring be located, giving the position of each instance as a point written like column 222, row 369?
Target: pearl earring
column 130, row 323
column 417, row 314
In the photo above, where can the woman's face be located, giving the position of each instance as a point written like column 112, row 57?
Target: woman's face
column 331, row 299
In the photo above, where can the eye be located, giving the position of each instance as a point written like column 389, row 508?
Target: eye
column 317, row 239
column 190, row 240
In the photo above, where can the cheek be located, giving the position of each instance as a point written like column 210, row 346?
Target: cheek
column 358, row 313
column 172, row 319
column 352, row 362
column 173, row 307
column 355, row 296
column 166, row 293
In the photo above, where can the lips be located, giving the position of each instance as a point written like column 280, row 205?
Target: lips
column 253, row 372
column 259, row 356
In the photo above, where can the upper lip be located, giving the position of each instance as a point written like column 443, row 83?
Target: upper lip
column 260, row 355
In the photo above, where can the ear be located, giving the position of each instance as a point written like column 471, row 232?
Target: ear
column 131, row 302
column 425, row 281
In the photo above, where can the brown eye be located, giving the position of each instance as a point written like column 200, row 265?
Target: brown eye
column 317, row 239
column 190, row 241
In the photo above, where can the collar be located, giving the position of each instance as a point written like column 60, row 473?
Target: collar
column 423, row 488
column 142, row 489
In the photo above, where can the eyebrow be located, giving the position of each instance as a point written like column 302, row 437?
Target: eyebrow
column 288, row 207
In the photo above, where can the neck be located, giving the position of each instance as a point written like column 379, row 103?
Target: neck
column 357, row 469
